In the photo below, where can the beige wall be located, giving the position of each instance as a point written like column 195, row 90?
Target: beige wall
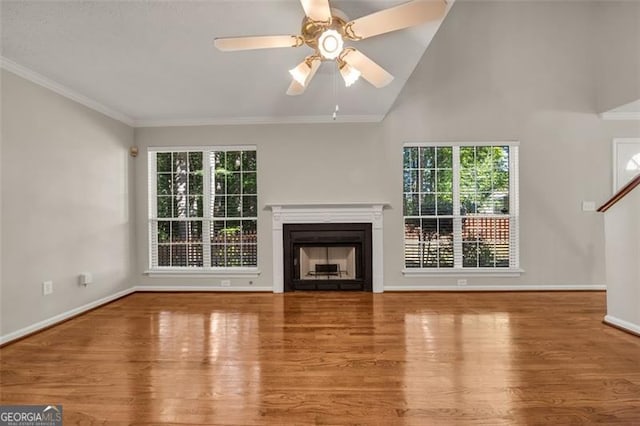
column 617, row 38
column 518, row 71
column 296, row 163
column 622, row 225
column 495, row 71
column 527, row 71
column 66, row 204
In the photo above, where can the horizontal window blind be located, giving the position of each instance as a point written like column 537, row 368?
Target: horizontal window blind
column 461, row 206
column 203, row 208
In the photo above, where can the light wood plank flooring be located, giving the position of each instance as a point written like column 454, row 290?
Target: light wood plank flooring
column 333, row 358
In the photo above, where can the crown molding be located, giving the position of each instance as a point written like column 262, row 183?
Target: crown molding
column 68, row 93
column 620, row 115
column 58, row 88
column 233, row 121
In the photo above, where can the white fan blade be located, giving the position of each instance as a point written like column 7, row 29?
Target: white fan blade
column 370, row 71
column 315, row 64
column 230, row 44
column 317, row 10
column 295, row 89
column 396, row 18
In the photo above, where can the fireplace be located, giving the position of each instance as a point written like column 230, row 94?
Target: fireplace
column 327, row 256
column 327, row 214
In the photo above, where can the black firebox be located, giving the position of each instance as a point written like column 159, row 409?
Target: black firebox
column 327, row 256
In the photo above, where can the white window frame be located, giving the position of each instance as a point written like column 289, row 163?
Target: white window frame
column 207, row 219
column 620, row 161
column 458, row 270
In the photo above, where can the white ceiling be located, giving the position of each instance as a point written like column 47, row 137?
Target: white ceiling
column 153, row 62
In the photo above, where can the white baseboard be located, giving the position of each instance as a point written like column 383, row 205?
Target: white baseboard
column 620, row 323
column 182, row 288
column 61, row 317
column 73, row 312
column 563, row 287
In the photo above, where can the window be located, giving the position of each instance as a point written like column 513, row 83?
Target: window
column 460, row 207
column 634, row 163
column 203, row 207
column 626, row 161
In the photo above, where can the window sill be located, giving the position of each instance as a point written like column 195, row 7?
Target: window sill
column 467, row 272
column 219, row 272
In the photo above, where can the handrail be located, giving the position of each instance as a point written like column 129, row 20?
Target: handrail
column 620, row 194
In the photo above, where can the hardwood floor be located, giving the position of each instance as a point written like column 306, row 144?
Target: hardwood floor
column 333, row 358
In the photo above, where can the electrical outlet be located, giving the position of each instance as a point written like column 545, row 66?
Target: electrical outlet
column 462, row 282
column 588, row 206
column 85, row 278
column 225, row 283
column 47, row 288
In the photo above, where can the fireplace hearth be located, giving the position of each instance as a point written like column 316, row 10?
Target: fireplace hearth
column 327, row 256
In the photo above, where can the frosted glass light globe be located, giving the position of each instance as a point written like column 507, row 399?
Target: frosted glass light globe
column 330, row 44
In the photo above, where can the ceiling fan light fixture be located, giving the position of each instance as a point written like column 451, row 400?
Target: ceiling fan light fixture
column 301, row 72
column 330, row 44
column 349, row 74
column 305, row 70
column 325, row 29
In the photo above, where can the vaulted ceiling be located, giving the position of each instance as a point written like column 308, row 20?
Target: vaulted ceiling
column 153, row 62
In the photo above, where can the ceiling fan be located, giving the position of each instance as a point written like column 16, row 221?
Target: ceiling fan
column 325, row 30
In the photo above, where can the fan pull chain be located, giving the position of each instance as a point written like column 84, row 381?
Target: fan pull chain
column 335, row 94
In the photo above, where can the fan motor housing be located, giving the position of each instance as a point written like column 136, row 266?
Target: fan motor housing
column 311, row 30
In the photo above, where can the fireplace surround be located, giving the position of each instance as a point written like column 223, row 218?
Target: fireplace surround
column 371, row 213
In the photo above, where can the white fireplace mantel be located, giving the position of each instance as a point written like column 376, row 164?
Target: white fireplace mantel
column 328, row 213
